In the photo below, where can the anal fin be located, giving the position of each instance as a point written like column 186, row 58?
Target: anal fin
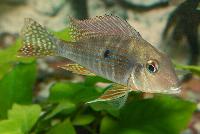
column 76, row 68
column 115, row 96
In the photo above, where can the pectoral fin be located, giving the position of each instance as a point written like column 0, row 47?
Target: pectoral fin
column 76, row 68
column 115, row 96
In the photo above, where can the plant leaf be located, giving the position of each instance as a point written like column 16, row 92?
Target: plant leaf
column 10, row 57
column 193, row 69
column 163, row 114
column 25, row 115
column 20, row 119
column 16, row 87
column 81, row 120
column 108, row 125
column 10, row 127
column 91, row 80
column 66, row 106
column 63, row 128
column 74, row 92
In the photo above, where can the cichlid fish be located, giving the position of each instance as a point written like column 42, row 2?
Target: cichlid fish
column 109, row 47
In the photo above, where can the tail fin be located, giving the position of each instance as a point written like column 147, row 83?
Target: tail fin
column 37, row 41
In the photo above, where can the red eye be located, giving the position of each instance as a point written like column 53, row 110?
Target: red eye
column 152, row 66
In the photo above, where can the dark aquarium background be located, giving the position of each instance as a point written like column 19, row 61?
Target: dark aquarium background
column 37, row 97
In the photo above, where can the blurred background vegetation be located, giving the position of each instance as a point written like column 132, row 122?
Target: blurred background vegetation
column 36, row 97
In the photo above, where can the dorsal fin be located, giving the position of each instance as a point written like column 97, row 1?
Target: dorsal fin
column 106, row 25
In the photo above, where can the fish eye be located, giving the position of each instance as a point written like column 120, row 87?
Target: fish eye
column 152, row 66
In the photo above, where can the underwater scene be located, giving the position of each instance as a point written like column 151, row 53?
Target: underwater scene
column 99, row 66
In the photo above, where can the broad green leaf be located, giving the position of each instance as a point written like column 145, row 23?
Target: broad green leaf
column 11, row 54
column 63, row 106
column 105, row 106
column 41, row 126
column 20, row 119
column 81, row 120
column 26, row 116
column 163, row 114
column 10, row 127
column 108, row 124
column 9, row 58
column 16, row 87
column 91, row 80
column 63, row 128
column 74, row 92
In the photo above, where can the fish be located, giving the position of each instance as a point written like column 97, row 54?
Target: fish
column 109, row 47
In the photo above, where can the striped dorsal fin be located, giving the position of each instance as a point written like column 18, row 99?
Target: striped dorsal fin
column 106, row 25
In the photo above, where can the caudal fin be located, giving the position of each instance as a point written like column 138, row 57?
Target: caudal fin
column 36, row 40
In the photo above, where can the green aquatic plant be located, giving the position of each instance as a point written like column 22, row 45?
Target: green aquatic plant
column 191, row 68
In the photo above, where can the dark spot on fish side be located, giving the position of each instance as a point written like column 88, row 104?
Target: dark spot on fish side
column 106, row 53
